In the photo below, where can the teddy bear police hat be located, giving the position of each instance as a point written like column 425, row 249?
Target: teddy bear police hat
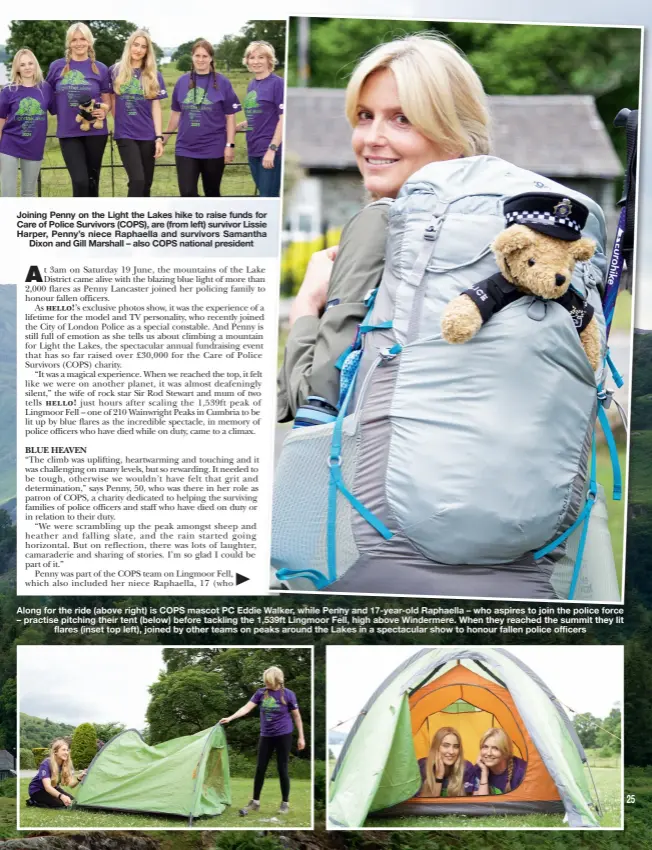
column 553, row 215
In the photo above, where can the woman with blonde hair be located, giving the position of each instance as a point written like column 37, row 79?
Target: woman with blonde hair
column 444, row 771
column 498, row 770
column 138, row 88
column 55, row 770
column 263, row 107
column 278, row 710
column 24, row 105
column 79, row 79
column 410, row 102
column 203, row 109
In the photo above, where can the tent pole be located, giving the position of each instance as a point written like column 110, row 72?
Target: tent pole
column 597, row 797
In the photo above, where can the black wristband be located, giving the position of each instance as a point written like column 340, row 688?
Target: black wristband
column 437, row 779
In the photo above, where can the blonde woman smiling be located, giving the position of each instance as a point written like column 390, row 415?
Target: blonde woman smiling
column 138, row 88
column 24, row 105
column 77, row 79
column 54, row 771
column 263, row 107
column 444, row 771
column 279, row 712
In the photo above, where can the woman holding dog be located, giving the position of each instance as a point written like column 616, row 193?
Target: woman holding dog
column 410, row 102
column 279, row 713
column 53, row 772
column 138, row 89
column 82, row 102
column 24, row 105
column 203, row 110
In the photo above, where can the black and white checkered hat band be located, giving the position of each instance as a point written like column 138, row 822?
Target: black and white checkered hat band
column 523, row 217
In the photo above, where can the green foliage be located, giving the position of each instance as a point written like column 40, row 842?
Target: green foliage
column 511, row 59
column 40, row 753
column 586, row 728
column 184, row 49
column 185, row 702
column 106, row 731
column 40, row 732
column 47, row 39
column 8, row 787
column 184, row 63
column 84, row 745
column 26, row 759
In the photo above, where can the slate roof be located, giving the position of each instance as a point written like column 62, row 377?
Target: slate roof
column 555, row 135
column 7, row 761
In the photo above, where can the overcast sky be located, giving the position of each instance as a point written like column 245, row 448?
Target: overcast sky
column 76, row 684
column 583, row 678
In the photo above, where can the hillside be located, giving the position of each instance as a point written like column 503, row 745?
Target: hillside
column 40, row 732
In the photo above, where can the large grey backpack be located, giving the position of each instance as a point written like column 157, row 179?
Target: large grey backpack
column 454, row 470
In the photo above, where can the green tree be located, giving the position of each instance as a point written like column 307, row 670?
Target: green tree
column 185, row 702
column 230, row 51
column 272, row 31
column 47, row 39
column 84, row 745
column 184, row 49
column 586, row 727
column 609, row 733
column 106, row 731
column 184, row 63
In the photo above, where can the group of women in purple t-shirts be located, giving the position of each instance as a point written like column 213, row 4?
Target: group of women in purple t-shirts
column 83, row 92
column 446, row 773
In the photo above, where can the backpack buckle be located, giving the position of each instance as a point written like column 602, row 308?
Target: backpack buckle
column 605, row 397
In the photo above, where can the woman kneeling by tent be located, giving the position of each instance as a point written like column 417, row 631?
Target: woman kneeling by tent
column 278, row 708
column 53, row 771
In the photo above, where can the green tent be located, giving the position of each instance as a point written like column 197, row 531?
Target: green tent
column 186, row 776
column 377, row 772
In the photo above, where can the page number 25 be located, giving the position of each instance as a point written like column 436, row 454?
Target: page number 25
column 630, row 798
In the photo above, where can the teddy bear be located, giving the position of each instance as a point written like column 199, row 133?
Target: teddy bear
column 85, row 117
column 536, row 254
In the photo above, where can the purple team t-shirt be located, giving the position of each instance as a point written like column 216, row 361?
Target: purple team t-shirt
column 263, row 106
column 76, row 86
column 202, row 126
column 498, row 781
column 133, row 111
column 275, row 718
column 25, row 110
column 469, row 779
column 44, row 772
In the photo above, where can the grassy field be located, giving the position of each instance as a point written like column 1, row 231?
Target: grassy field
column 616, row 510
column 607, row 780
column 237, row 179
column 266, row 818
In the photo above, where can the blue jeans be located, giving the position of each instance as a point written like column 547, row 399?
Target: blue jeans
column 267, row 180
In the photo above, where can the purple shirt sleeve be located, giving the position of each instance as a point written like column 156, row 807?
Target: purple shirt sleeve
column 163, row 92
column 256, row 698
column 231, row 101
column 176, row 103
column 279, row 96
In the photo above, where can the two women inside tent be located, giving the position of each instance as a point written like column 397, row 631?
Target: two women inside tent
column 461, row 731
column 446, row 773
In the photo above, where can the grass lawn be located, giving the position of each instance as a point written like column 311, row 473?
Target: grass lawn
column 299, row 815
column 237, row 179
column 607, row 781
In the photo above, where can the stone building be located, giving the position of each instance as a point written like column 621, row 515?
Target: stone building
column 559, row 136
